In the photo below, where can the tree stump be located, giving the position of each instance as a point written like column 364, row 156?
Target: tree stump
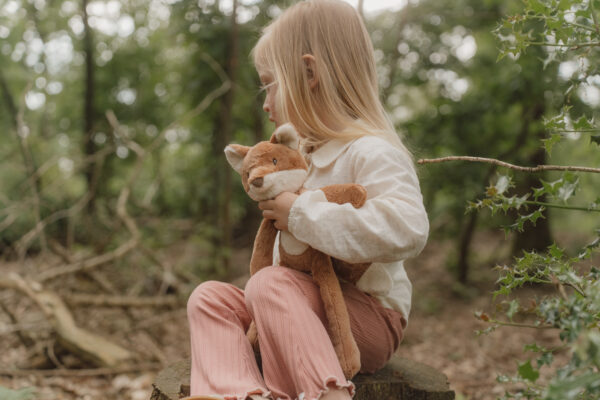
column 401, row 379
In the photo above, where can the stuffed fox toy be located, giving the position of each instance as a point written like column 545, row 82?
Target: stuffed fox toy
column 268, row 169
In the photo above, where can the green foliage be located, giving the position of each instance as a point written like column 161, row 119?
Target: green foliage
column 153, row 64
column 574, row 312
column 567, row 30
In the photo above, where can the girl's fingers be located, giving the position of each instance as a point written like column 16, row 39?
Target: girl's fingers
column 265, row 205
column 268, row 214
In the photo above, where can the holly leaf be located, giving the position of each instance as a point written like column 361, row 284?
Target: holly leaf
column 567, row 190
column 527, row 372
column 503, row 183
column 582, row 123
column 550, row 142
column 536, row 6
column 555, row 251
column 513, row 308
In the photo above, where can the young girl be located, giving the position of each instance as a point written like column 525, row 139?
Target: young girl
column 316, row 63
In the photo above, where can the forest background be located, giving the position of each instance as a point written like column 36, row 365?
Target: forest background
column 116, row 199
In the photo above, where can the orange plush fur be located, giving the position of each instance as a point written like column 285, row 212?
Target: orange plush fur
column 270, row 168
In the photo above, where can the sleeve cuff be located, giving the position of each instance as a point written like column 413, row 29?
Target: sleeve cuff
column 301, row 208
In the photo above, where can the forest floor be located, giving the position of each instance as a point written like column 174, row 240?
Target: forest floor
column 441, row 333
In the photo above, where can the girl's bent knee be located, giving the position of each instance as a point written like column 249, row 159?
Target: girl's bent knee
column 205, row 294
column 267, row 283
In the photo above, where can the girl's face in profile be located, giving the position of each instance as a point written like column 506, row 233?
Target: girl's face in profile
column 270, row 87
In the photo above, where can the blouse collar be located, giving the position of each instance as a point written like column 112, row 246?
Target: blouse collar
column 328, row 152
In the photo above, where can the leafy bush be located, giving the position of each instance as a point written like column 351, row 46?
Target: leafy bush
column 569, row 32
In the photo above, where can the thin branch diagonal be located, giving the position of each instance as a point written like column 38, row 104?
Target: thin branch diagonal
column 538, row 168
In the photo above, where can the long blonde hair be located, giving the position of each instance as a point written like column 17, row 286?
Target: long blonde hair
column 347, row 90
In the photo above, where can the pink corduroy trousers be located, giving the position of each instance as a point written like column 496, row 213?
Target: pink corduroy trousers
column 298, row 359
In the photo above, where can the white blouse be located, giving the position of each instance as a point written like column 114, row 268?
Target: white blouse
column 390, row 227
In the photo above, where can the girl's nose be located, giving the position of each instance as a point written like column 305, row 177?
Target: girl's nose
column 266, row 106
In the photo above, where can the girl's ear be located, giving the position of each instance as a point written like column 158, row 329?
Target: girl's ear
column 235, row 154
column 286, row 134
column 310, row 64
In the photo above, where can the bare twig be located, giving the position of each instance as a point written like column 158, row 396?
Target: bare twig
column 153, row 348
column 169, row 278
column 21, row 134
column 8, row 221
column 70, row 212
column 23, row 336
column 82, row 372
column 96, row 276
column 89, row 263
column 52, row 355
column 121, row 301
column 79, row 163
column 508, row 165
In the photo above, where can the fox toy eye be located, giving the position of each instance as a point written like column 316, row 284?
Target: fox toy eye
column 274, row 161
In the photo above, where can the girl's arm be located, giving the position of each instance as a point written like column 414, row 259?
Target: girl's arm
column 391, row 225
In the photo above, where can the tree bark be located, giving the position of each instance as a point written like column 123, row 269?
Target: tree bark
column 536, row 237
column 88, row 112
column 221, row 137
column 253, row 215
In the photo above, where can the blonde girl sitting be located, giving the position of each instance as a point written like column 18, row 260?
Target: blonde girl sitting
column 317, row 66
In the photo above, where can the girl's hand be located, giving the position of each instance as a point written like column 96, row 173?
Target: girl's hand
column 278, row 209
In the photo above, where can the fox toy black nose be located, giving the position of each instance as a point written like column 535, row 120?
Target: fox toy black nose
column 258, row 182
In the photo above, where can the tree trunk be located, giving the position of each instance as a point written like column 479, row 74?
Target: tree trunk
column 88, row 112
column 465, row 244
column 536, row 237
column 222, row 137
column 248, row 226
column 16, row 118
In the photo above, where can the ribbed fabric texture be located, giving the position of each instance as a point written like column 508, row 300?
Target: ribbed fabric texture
column 297, row 355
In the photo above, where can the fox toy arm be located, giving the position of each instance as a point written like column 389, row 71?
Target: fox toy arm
column 262, row 253
column 346, row 193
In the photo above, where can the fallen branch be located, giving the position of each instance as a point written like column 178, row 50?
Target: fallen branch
column 96, row 276
column 85, row 344
column 90, row 263
column 538, row 168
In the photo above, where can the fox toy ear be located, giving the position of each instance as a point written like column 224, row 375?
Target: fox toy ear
column 235, row 154
column 287, row 135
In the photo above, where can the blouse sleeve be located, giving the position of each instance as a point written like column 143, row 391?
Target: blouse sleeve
column 392, row 225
